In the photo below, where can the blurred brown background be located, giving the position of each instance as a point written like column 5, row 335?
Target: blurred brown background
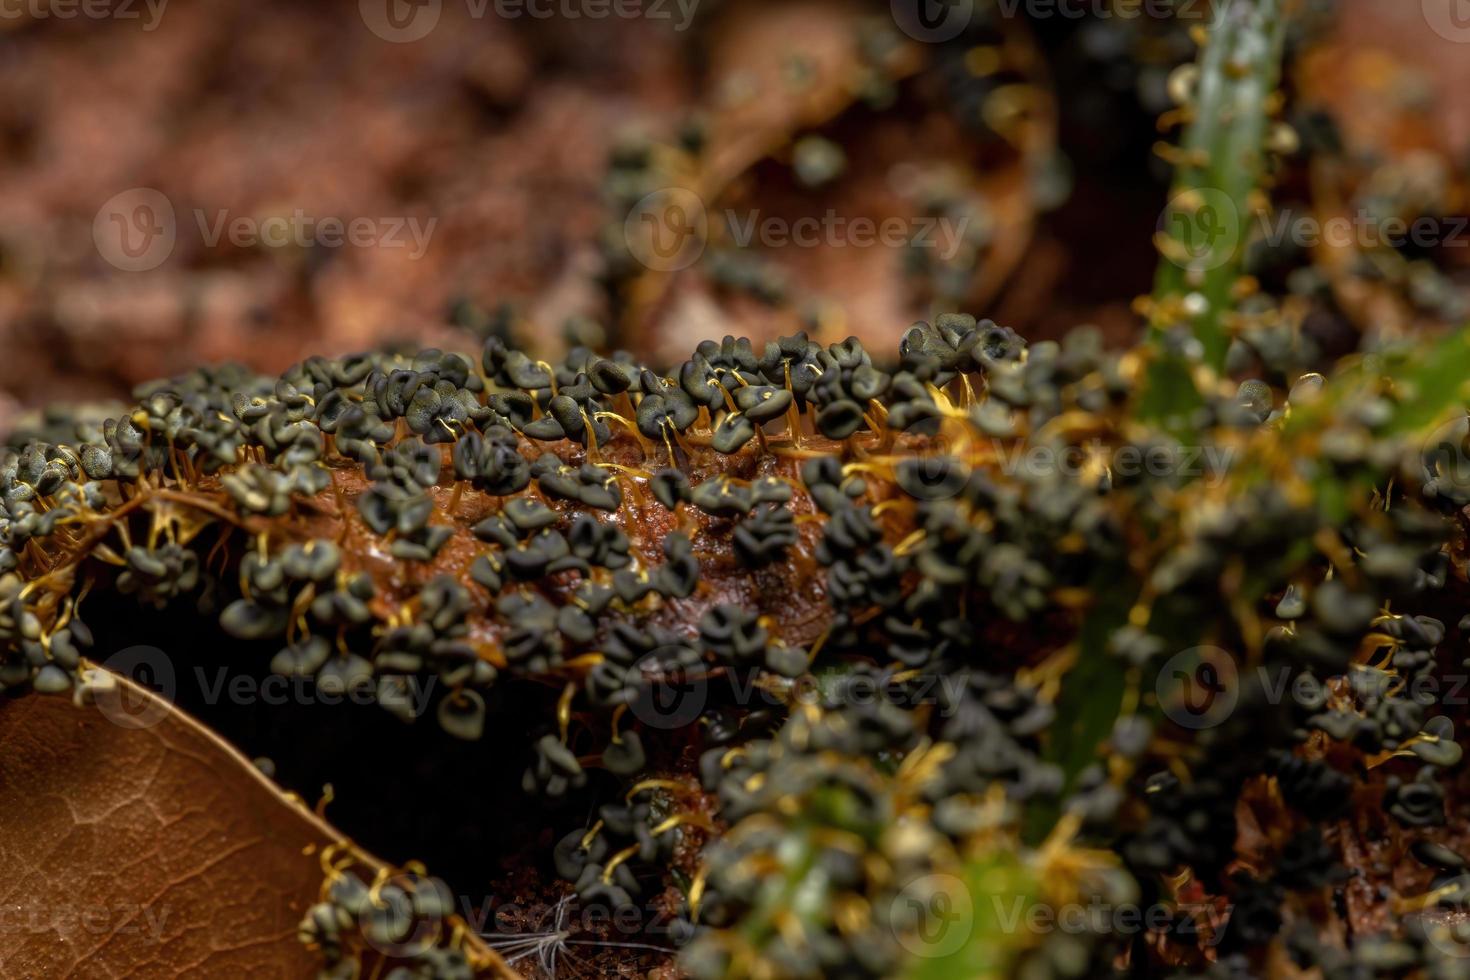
column 493, row 134
column 498, row 130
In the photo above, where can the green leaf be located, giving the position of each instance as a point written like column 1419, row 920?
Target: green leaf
column 1091, row 695
column 1169, row 396
column 974, row 925
column 1205, row 228
column 1432, row 383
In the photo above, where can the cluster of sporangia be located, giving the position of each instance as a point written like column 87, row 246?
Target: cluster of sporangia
column 926, row 731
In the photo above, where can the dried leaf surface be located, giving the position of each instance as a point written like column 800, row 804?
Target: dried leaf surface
column 148, row 848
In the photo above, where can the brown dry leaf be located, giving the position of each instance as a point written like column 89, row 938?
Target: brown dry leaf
column 149, row 848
